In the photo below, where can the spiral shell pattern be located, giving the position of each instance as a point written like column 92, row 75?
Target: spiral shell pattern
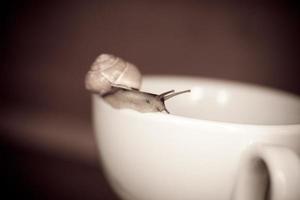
column 108, row 71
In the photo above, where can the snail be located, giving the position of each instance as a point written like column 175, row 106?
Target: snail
column 119, row 82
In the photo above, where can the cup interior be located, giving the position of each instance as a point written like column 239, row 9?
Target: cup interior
column 227, row 101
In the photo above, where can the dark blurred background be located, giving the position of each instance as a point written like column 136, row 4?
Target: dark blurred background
column 47, row 148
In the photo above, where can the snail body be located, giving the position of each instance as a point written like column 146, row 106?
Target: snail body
column 140, row 101
column 110, row 71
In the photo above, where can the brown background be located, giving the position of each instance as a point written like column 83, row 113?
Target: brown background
column 47, row 146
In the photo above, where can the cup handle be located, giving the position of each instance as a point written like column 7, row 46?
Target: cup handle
column 268, row 171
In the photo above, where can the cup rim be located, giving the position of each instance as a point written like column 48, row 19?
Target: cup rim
column 189, row 120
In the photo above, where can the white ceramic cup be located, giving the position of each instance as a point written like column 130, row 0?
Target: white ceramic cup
column 224, row 140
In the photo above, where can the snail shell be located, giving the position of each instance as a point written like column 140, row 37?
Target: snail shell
column 110, row 71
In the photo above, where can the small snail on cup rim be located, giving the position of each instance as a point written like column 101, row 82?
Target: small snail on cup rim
column 119, row 81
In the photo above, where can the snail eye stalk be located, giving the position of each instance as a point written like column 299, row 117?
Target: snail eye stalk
column 175, row 94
